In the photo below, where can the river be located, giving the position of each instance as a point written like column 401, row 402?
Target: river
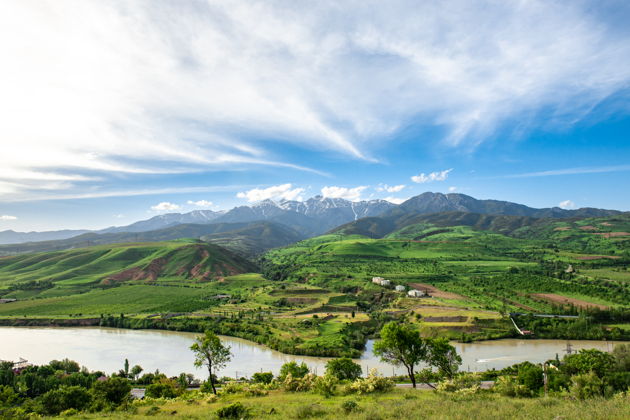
column 106, row 349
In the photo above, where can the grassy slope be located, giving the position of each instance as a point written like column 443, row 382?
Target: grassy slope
column 398, row 404
column 165, row 276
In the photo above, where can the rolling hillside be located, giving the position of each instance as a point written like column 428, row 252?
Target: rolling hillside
column 247, row 239
column 53, row 274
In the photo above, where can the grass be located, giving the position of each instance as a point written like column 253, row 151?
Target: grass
column 398, row 404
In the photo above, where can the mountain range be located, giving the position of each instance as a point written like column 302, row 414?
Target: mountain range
column 253, row 229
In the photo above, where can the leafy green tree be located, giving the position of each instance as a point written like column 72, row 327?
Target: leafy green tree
column 343, row 368
column 135, row 371
column 444, row 357
column 65, row 398
column 165, row 388
column 65, row 365
column 211, row 352
column 114, row 390
column 262, row 377
column 296, row 371
column 588, row 360
column 621, row 353
column 400, row 344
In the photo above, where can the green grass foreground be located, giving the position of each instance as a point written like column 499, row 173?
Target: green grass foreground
column 397, row 404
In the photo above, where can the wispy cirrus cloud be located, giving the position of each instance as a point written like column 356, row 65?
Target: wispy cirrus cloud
column 572, row 171
column 6, row 217
column 431, row 177
column 157, row 86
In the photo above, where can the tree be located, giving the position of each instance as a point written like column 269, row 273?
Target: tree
column 135, row 371
column 211, row 352
column 400, row 344
column 588, row 360
column 296, row 371
column 444, row 357
column 343, row 368
column 115, row 390
column 262, row 377
column 126, row 368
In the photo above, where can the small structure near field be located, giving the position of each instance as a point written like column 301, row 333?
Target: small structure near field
column 416, row 293
column 7, row 300
column 400, row 288
column 381, row 281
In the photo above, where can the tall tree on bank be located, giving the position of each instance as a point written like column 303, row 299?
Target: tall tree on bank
column 400, row 344
column 211, row 352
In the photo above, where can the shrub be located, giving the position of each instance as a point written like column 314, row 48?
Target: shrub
column 233, row 411
column 344, row 369
column 302, row 384
column 232, row 388
column 165, row 388
column 587, row 385
column 465, row 381
column 509, row 387
column 326, row 385
column 349, row 406
column 373, row 383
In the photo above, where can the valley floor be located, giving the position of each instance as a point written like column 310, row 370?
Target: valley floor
column 398, row 404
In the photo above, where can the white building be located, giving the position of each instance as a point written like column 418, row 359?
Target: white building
column 377, row 280
column 416, row 293
column 385, row 282
column 400, row 288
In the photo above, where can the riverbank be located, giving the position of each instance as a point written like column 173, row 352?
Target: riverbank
column 105, row 349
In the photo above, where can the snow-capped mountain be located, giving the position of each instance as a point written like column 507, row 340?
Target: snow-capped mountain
column 165, row 220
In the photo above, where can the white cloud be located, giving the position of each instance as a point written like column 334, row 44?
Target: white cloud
column 165, row 206
column 390, row 189
column 352, row 194
column 567, row 205
column 284, row 191
column 395, row 200
column 6, row 217
column 433, row 176
column 119, row 216
column 201, row 203
column 452, row 189
column 156, row 86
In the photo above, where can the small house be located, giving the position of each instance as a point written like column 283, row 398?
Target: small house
column 416, row 293
column 377, row 280
column 385, row 282
column 400, row 288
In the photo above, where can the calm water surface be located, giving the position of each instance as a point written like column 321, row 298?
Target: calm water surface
column 106, row 349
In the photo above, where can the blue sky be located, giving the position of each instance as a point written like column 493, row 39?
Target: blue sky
column 117, row 111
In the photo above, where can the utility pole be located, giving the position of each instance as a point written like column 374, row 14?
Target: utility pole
column 545, row 377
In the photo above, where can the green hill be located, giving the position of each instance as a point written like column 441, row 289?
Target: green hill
column 178, row 269
column 248, row 239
